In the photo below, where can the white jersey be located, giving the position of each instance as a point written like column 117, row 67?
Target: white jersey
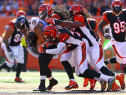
column 34, row 21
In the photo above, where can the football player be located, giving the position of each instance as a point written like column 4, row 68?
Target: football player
column 63, row 37
column 80, row 25
column 37, row 26
column 12, row 49
column 116, row 19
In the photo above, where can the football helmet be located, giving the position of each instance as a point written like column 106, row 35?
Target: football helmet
column 50, row 33
column 20, row 13
column 75, row 9
column 117, row 6
column 44, row 10
column 22, row 24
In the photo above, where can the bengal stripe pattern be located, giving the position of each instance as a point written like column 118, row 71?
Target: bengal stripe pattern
column 5, row 56
column 117, row 2
column 101, row 53
column 117, row 51
column 50, row 31
column 83, row 53
column 63, row 37
column 66, row 51
column 76, row 8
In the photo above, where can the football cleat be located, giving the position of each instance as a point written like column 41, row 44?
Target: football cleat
column 52, row 83
column 92, row 83
column 103, row 85
column 71, row 85
column 110, row 83
column 120, row 78
column 115, row 87
column 85, row 82
column 18, row 80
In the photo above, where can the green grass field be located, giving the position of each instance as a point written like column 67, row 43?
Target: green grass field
column 32, row 79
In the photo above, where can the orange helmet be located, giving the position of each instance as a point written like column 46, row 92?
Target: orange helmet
column 44, row 10
column 117, row 5
column 75, row 9
column 20, row 13
column 50, row 33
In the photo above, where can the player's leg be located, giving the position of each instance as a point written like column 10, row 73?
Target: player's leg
column 52, row 81
column 112, row 60
column 9, row 60
column 20, row 61
column 68, row 68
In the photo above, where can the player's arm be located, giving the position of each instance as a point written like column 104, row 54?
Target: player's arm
column 39, row 33
column 60, row 47
column 8, row 33
column 96, row 34
column 78, row 21
column 101, row 25
column 71, row 24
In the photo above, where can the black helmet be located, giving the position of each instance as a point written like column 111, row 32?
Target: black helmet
column 22, row 24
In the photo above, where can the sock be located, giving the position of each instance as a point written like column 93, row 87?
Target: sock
column 68, row 69
column 106, row 62
column 73, row 80
column 106, row 71
column 124, row 69
column 98, row 79
column 104, row 77
column 42, row 83
column 18, row 69
column 89, row 73
column 49, row 78
column 113, row 60
column 4, row 65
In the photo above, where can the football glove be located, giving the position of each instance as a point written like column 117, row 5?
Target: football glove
column 107, row 36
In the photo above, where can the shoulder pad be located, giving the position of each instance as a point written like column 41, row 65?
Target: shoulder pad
column 12, row 23
column 124, row 11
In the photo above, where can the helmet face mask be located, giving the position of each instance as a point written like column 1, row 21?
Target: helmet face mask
column 43, row 14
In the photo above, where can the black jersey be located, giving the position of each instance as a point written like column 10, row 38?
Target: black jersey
column 16, row 37
column 93, row 23
column 66, row 34
column 117, row 24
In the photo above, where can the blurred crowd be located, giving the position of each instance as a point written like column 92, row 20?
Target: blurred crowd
column 95, row 7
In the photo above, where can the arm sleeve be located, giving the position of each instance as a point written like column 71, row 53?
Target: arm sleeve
column 59, row 48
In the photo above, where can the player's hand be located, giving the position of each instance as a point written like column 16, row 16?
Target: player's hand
column 50, row 20
column 107, row 36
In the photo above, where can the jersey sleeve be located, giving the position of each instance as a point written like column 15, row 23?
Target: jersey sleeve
column 93, row 24
column 105, row 16
column 63, row 37
column 11, row 23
